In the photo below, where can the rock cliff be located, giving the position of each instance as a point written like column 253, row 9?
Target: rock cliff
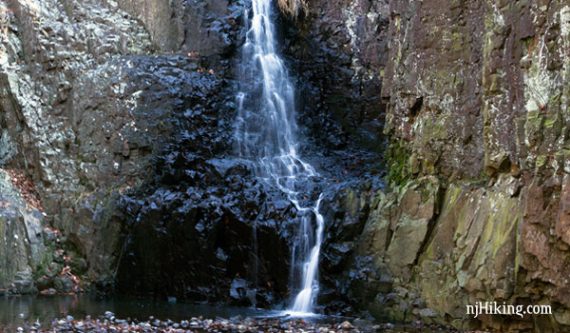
column 476, row 97
column 91, row 93
column 59, row 128
column 116, row 133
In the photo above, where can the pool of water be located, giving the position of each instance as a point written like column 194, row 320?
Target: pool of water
column 23, row 310
column 16, row 311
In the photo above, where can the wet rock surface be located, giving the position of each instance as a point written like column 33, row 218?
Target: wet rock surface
column 87, row 108
column 217, row 234
column 201, row 200
column 338, row 51
column 129, row 150
column 116, row 164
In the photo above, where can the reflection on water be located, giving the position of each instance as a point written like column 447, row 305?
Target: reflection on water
column 16, row 311
column 25, row 310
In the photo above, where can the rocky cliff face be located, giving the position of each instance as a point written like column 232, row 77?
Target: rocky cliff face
column 117, row 122
column 338, row 50
column 62, row 130
column 477, row 97
column 90, row 96
column 115, row 133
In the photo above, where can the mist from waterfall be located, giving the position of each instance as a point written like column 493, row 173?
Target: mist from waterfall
column 266, row 132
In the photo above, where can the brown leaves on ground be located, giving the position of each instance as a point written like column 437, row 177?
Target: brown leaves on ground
column 26, row 187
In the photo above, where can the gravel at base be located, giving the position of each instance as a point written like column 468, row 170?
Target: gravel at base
column 108, row 323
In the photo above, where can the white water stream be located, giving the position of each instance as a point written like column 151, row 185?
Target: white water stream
column 266, row 133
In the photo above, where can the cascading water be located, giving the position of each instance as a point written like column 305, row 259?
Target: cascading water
column 266, row 133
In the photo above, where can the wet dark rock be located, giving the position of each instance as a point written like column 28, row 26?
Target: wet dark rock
column 208, row 218
column 229, row 224
column 63, row 284
column 123, row 122
column 115, row 105
column 338, row 52
column 345, row 208
column 207, row 29
column 23, row 283
column 238, row 289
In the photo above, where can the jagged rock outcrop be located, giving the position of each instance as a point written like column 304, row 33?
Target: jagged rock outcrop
column 338, row 51
column 217, row 234
column 56, row 74
column 113, row 110
column 477, row 120
column 21, row 240
column 88, row 100
column 207, row 28
column 120, row 113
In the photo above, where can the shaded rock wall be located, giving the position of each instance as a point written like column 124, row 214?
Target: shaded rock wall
column 88, row 99
column 208, row 28
column 477, row 118
column 50, row 53
column 112, row 129
column 21, row 239
column 338, row 51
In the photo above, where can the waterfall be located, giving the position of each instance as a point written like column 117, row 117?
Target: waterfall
column 265, row 131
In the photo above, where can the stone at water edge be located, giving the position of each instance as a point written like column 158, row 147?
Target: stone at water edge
column 346, row 325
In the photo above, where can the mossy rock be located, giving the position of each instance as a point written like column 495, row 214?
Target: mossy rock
column 397, row 158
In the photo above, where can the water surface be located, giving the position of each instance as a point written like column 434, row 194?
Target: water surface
column 21, row 311
column 17, row 311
